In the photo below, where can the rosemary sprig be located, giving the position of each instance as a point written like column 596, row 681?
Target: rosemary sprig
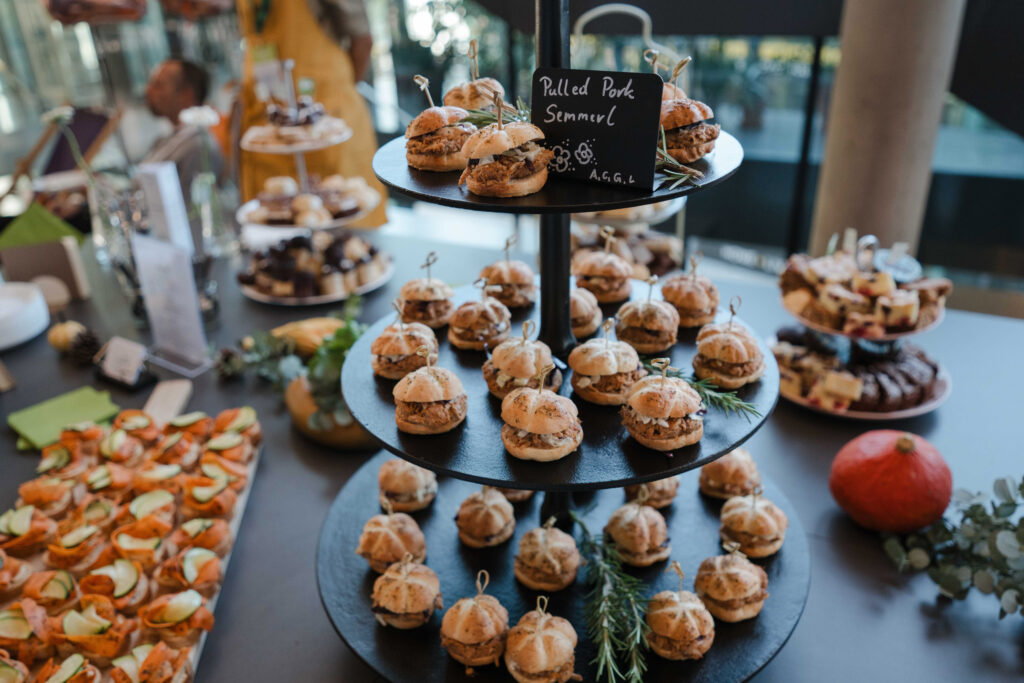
column 483, row 117
column 726, row 401
column 615, row 609
column 666, row 164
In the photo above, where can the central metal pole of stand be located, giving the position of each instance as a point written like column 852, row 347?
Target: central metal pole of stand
column 555, row 328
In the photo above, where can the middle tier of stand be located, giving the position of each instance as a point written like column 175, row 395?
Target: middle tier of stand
column 607, row 457
column 558, row 195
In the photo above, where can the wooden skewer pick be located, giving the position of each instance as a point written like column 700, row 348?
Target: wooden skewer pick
column 678, row 69
column 482, row 579
column 542, row 376
column 663, row 365
column 651, row 57
column 733, row 548
column 509, row 243
column 528, row 327
column 396, row 304
column 431, row 260
column 607, row 326
column 550, row 522
column 651, row 281
column 678, row 569
column 427, row 353
column 499, row 106
column 424, row 84
column 608, row 234
column 734, row 305
column 542, row 603
column 695, row 259
column 481, row 282
column 386, row 504
column 474, row 65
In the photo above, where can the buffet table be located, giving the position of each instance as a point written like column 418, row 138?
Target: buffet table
column 863, row 621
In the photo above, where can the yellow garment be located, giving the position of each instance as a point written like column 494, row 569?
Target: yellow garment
column 291, row 28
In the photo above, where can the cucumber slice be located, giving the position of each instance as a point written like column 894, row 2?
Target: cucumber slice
column 86, row 623
column 169, row 442
column 246, row 418
column 194, row 527
column 129, row 666
column 59, row 587
column 54, row 460
column 161, row 472
column 182, row 606
column 98, row 510
column 135, row 422
column 80, row 426
column 150, row 502
column 188, row 419
column 215, row 471
column 77, row 536
column 99, row 478
column 5, row 520
column 14, row 625
column 194, row 560
column 21, row 520
column 8, row 674
column 204, row 494
column 69, row 668
column 141, row 652
column 132, row 543
column 124, row 574
column 113, row 442
column 223, row 442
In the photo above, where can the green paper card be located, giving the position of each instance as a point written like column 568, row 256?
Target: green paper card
column 42, row 423
column 35, row 226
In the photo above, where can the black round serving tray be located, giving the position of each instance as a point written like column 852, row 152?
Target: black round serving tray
column 558, row 195
column 607, row 457
column 346, row 583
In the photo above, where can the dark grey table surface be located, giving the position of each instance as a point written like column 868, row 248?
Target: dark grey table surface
column 863, row 620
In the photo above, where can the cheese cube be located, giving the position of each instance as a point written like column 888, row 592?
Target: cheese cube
column 843, row 385
column 790, row 383
column 838, row 267
column 866, row 325
column 820, row 397
column 795, row 301
column 838, row 300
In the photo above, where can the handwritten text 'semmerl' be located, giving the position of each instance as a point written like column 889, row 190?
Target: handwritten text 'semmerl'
column 601, row 125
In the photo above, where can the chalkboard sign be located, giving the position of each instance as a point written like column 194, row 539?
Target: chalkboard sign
column 601, row 125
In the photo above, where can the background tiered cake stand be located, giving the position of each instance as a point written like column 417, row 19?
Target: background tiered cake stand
column 586, row 480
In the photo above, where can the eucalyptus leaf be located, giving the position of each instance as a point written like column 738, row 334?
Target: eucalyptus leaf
column 919, row 558
column 1016, row 563
column 342, row 417
column 1007, row 543
column 1003, row 489
column 894, row 549
column 963, row 497
column 1006, row 510
column 1020, row 533
column 962, row 574
column 1008, row 601
column 984, row 582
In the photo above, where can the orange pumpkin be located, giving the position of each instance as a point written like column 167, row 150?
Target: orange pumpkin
column 891, row 481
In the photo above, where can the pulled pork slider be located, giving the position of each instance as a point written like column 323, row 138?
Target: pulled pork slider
column 430, row 400
column 476, row 94
column 732, row 587
column 605, row 274
column 394, row 351
column 694, row 296
column 604, row 371
column 505, row 160
column 658, row 494
column 548, row 559
column 426, row 300
column 734, row 474
column 728, row 355
column 541, row 648
column 647, row 326
column 477, row 325
column 474, row 629
column 680, row 626
column 485, row 519
column 584, row 312
column 435, row 139
column 387, row 538
column 517, row 363
column 688, row 135
column 510, row 282
column 406, row 595
column 404, row 486
column 639, row 533
column 664, row 413
column 540, row 425
column 516, row 495
column 755, row 523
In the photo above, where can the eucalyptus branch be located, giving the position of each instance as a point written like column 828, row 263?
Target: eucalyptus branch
column 726, row 401
column 985, row 550
column 614, row 611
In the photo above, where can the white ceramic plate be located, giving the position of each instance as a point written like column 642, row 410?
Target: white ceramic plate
column 23, row 313
column 670, row 209
column 256, row 295
column 341, row 135
column 817, row 327
column 245, row 209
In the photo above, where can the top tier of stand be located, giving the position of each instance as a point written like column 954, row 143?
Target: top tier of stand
column 558, row 195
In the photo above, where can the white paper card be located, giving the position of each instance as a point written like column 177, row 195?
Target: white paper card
column 165, row 205
column 172, row 304
column 123, row 359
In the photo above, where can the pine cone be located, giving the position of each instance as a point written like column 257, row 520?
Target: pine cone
column 85, row 346
column 230, row 364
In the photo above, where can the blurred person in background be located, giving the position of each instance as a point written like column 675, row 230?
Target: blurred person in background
column 329, row 41
column 174, row 86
